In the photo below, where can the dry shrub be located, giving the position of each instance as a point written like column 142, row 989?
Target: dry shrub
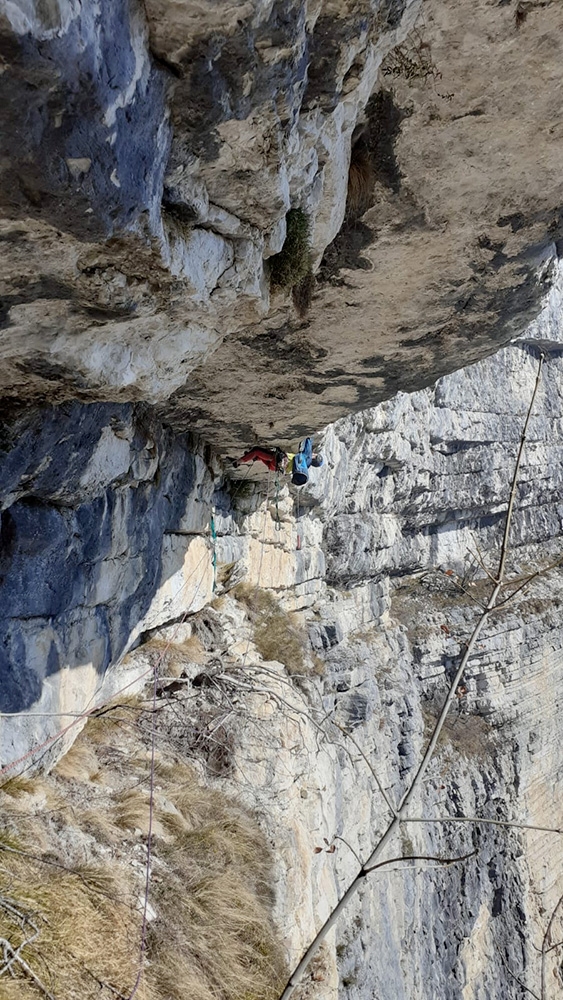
column 172, row 658
column 470, row 735
column 212, row 937
column 412, row 61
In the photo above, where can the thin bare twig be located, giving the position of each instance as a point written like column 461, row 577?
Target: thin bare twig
column 353, row 740
column 545, row 948
column 22, row 918
column 515, row 977
column 101, row 982
column 479, row 558
column 350, row 848
column 16, row 957
column 527, row 581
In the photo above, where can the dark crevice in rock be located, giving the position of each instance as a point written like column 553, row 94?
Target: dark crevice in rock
column 345, row 251
column 372, row 161
column 383, row 120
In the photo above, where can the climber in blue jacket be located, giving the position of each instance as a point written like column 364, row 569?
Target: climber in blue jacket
column 298, row 465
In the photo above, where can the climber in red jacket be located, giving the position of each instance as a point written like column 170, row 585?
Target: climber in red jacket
column 273, row 458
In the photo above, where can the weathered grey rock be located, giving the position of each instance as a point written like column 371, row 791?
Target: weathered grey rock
column 153, row 152
column 107, row 541
column 93, row 551
column 152, row 155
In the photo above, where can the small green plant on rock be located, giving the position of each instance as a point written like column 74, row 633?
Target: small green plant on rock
column 291, row 268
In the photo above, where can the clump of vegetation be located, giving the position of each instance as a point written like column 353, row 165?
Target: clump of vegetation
column 302, row 294
column 468, row 734
column 76, row 924
column 291, row 268
column 277, row 635
column 361, row 180
column 412, row 60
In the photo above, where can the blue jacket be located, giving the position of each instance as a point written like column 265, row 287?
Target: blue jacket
column 302, row 462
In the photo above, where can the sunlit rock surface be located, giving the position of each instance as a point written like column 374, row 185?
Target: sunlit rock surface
column 152, row 153
column 378, row 563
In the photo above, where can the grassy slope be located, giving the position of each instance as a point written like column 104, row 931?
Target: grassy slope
column 210, row 934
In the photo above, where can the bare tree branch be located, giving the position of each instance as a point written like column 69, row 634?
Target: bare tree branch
column 545, row 948
column 393, row 827
column 484, row 820
column 420, row 857
column 516, row 979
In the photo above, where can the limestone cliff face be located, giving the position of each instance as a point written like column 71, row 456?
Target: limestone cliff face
column 154, row 150
column 377, row 565
column 153, row 153
column 415, row 490
column 381, row 564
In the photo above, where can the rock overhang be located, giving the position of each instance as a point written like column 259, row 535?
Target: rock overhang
column 148, row 180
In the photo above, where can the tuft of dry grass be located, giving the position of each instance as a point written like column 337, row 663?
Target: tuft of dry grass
column 80, row 942
column 361, row 180
column 80, row 763
column 277, row 636
column 19, row 785
column 220, row 880
column 105, row 726
column 319, row 665
column 71, row 872
column 132, row 810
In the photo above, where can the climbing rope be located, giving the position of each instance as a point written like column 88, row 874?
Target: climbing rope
column 214, row 548
column 262, row 545
column 277, row 501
